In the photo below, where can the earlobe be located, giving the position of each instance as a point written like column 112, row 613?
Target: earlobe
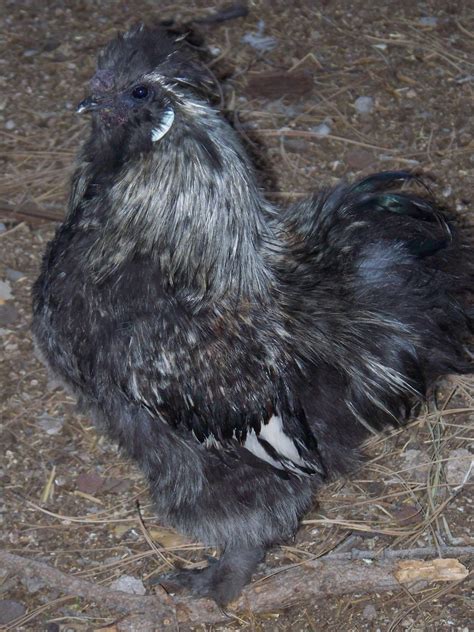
column 165, row 125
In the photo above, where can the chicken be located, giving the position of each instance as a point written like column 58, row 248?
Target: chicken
column 238, row 352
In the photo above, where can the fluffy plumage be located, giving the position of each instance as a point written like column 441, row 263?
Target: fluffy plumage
column 240, row 353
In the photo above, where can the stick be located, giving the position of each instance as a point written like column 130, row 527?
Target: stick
column 317, row 579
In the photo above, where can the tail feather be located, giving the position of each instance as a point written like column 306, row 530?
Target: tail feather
column 388, row 309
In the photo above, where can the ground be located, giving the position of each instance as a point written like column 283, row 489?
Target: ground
column 294, row 73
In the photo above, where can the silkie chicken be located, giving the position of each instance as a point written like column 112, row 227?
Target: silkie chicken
column 238, row 352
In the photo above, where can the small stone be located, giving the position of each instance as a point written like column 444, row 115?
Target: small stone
column 369, row 612
column 359, row 159
column 411, row 94
column 321, row 130
column 51, row 425
column 428, row 20
column 14, row 275
column 416, row 465
column 10, row 124
column 407, row 622
column 10, row 610
column 5, row 291
column 117, row 485
column 258, row 40
column 447, row 191
column 128, row 584
column 8, row 314
column 31, row 52
column 459, row 467
column 296, row 145
column 364, row 105
column 89, row 483
column 3, row 228
column 406, row 514
column 33, row 584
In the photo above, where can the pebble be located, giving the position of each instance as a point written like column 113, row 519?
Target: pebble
column 459, row 467
column 364, row 105
column 296, row 145
column 10, row 610
column 428, row 20
column 8, row 314
column 33, row 584
column 51, row 425
column 5, row 291
column 10, row 124
column 89, row 482
column 369, row 612
column 14, row 275
column 321, row 130
column 3, row 228
column 128, row 584
column 258, row 40
column 359, row 159
column 416, row 465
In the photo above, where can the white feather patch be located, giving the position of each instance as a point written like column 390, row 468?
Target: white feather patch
column 283, row 444
column 165, row 125
column 273, row 433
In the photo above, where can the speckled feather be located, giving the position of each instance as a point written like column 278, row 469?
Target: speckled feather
column 238, row 352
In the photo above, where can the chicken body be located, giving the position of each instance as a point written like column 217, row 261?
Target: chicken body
column 239, row 353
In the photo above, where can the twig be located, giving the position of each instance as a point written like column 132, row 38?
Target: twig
column 316, row 579
column 390, row 554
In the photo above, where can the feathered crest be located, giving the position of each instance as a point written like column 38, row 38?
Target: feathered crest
column 145, row 49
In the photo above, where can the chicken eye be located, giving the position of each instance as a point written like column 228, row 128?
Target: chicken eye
column 140, row 92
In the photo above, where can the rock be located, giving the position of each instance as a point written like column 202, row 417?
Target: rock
column 10, row 610
column 51, row 425
column 5, row 291
column 32, row 584
column 14, row 275
column 321, row 130
column 8, row 314
column 364, row 105
column 128, row 584
column 275, row 85
column 10, row 124
column 406, row 514
column 296, row 145
column 428, row 20
column 117, row 485
column 369, row 612
column 459, row 467
column 89, row 483
column 359, row 159
column 258, row 40
column 416, row 465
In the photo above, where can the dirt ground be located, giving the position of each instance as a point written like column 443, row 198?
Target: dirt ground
column 295, row 73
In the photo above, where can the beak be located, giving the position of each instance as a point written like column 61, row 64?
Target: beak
column 87, row 105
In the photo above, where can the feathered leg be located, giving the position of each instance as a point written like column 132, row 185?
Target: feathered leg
column 223, row 579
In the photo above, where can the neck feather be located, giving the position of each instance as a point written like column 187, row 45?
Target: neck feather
column 193, row 205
